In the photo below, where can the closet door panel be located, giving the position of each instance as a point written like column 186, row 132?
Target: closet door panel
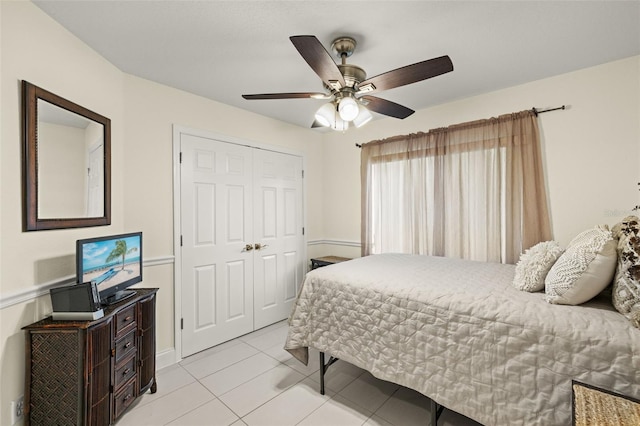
column 217, row 221
column 278, row 234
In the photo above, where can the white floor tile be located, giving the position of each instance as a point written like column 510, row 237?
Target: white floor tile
column 169, row 379
column 377, row 421
column 252, row 394
column 405, row 407
column 224, row 380
column 268, row 339
column 369, row 392
column 337, row 411
column 277, row 352
column 210, row 351
column 289, row 407
column 213, row 413
column 169, row 407
column 219, row 360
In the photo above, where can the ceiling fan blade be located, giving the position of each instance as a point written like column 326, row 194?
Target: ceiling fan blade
column 318, row 59
column 302, row 95
column 407, row 75
column 383, row 106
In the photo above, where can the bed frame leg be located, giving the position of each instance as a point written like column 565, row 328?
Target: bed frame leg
column 435, row 411
column 323, row 369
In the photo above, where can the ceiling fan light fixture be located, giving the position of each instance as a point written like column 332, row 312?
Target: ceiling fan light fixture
column 348, row 108
column 326, row 114
column 339, row 124
column 363, row 117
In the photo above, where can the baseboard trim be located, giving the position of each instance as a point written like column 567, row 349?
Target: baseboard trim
column 165, row 358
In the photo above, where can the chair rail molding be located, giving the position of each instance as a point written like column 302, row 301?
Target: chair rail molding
column 345, row 243
column 34, row 292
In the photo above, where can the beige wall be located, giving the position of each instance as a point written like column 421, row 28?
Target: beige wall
column 592, row 154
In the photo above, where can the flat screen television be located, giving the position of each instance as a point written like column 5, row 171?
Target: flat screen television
column 113, row 262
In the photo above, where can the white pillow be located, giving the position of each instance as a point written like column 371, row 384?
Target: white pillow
column 534, row 264
column 584, row 269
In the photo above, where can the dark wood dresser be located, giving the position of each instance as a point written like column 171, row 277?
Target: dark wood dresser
column 89, row 372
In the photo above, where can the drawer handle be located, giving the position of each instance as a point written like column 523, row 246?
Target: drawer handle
column 126, row 319
column 126, row 345
column 126, row 398
column 126, row 371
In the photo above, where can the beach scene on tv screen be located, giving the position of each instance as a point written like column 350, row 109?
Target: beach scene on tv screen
column 111, row 262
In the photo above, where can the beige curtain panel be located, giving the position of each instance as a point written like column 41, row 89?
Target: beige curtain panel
column 473, row 191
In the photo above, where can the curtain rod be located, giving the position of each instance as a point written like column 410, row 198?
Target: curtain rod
column 533, row 110
column 537, row 111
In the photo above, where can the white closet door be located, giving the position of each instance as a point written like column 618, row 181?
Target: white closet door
column 278, row 235
column 217, row 220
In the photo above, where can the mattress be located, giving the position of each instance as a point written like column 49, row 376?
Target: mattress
column 459, row 333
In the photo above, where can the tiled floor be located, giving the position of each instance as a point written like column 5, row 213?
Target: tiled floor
column 253, row 381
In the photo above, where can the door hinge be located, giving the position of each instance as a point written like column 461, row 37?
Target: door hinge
column 180, row 240
column 303, row 174
column 180, row 159
column 303, row 230
column 181, row 323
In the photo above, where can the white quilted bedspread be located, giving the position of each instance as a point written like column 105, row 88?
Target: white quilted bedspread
column 458, row 332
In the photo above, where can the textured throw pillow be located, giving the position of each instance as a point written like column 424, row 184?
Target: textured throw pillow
column 584, row 269
column 534, row 264
column 626, row 285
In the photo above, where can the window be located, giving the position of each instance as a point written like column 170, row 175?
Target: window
column 472, row 191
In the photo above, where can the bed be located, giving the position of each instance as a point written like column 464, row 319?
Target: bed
column 458, row 332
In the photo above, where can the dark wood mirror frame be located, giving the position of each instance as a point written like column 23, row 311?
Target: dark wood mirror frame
column 31, row 221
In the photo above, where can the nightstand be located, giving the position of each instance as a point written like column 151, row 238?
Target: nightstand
column 595, row 406
column 327, row 260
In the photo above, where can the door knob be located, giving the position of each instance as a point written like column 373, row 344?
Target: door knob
column 261, row 246
column 248, row 247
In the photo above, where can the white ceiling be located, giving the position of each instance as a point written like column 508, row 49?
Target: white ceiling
column 223, row 49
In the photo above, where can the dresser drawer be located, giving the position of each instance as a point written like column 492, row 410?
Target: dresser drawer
column 123, row 399
column 125, row 346
column 125, row 372
column 125, row 321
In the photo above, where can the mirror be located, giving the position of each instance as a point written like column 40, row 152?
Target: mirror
column 66, row 161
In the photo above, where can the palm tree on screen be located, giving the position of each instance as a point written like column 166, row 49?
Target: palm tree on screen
column 120, row 251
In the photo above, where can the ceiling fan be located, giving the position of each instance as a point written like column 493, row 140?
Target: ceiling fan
column 347, row 87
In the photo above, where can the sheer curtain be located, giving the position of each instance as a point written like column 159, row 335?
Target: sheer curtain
column 473, row 191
